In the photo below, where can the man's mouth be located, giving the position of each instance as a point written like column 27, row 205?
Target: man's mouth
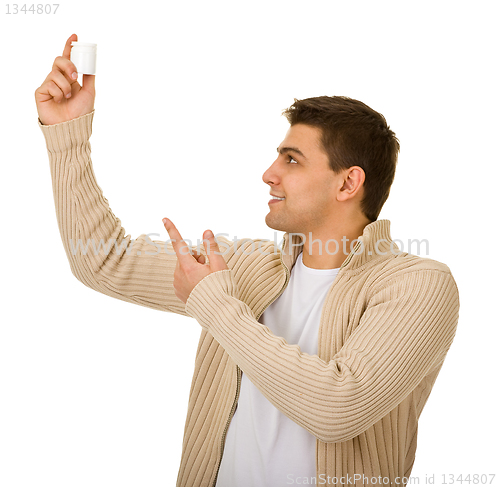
column 275, row 199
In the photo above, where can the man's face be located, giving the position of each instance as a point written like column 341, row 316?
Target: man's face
column 302, row 175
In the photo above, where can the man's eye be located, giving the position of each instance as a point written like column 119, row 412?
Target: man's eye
column 292, row 159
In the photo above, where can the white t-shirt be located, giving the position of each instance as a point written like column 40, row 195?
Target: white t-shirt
column 264, row 448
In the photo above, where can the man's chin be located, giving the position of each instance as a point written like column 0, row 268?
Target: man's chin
column 286, row 227
column 275, row 225
column 269, row 222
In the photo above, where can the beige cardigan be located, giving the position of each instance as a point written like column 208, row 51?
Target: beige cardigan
column 386, row 326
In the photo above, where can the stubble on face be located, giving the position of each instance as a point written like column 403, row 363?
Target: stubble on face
column 308, row 186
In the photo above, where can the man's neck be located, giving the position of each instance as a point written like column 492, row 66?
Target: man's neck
column 328, row 249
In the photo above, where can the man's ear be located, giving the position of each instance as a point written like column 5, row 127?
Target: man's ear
column 353, row 181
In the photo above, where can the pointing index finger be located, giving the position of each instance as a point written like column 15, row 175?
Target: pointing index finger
column 177, row 241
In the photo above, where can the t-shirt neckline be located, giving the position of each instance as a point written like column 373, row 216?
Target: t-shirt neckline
column 310, row 270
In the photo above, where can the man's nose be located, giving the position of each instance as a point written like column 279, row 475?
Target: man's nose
column 270, row 176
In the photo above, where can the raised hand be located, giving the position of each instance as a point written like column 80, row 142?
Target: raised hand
column 60, row 98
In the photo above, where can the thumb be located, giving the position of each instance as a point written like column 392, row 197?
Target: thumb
column 215, row 258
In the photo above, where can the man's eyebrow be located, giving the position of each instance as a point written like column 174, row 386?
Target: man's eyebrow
column 290, row 149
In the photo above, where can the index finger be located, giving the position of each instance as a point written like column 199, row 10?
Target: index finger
column 176, row 239
column 67, row 47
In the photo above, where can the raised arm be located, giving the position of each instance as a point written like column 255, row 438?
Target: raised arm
column 101, row 256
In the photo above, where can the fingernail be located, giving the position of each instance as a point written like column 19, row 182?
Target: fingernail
column 164, row 221
column 74, row 75
column 68, row 95
column 209, row 234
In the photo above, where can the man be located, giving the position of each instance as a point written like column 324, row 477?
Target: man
column 315, row 360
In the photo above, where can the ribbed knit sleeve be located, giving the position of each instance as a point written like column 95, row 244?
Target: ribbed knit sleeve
column 138, row 271
column 404, row 333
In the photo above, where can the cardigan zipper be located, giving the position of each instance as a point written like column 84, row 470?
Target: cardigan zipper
column 238, row 370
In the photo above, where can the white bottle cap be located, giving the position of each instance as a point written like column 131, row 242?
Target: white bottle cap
column 83, row 56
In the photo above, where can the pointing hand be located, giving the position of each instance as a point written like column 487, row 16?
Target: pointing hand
column 191, row 269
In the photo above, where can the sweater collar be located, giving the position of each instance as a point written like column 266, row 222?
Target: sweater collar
column 375, row 243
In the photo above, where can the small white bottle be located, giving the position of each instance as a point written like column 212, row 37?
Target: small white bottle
column 83, row 56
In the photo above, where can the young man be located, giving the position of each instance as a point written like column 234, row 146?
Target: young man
column 315, row 360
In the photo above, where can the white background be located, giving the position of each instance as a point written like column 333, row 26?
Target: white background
column 188, row 116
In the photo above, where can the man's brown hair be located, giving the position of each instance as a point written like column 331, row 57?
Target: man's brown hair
column 353, row 134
